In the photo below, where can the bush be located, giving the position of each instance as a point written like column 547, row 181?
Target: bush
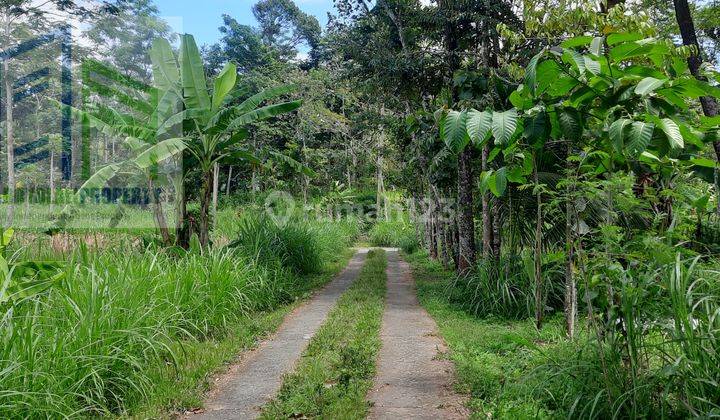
column 505, row 288
column 398, row 233
column 300, row 245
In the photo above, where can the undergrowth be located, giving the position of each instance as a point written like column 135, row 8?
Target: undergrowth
column 89, row 345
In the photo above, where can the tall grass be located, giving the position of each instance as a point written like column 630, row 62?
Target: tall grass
column 84, row 347
column 397, row 233
column 505, row 287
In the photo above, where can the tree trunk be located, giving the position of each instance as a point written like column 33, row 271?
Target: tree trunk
column 539, row 305
column 205, row 203
column 229, row 180
column 182, row 224
column 52, row 178
column 432, row 239
column 466, row 223
column 570, row 288
column 440, row 229
column 158, row 213
column 9, row 141
column 486, row 228
column 379, row 181
column 496, row 229
column 689, row 37
column 216, row 187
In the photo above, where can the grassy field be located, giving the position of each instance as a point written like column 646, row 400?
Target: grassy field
column 138, row 329
column 338, row 366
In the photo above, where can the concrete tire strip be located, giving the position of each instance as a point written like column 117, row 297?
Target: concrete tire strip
column 257, row 377
column 413, row 378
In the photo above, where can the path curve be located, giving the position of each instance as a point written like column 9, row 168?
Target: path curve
column 413, row 379
column 258, row 376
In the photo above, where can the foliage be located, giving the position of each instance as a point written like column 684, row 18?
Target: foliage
column 396, row 233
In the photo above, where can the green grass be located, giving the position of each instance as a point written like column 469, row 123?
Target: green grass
column 140, row 330
column 182, row 387
column 398, row 233
column 493, row 357
column 338, row 366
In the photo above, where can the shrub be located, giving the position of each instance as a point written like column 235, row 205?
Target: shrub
column 300, row 245
column 393, row 233
column 504, row 288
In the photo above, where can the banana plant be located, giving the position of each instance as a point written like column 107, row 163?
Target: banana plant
column 149, row 129
column 214, row 120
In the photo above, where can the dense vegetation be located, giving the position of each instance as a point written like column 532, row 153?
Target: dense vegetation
column 86, row 346
column 558, row 160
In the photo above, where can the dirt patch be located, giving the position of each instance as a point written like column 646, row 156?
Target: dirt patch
column 414, row 379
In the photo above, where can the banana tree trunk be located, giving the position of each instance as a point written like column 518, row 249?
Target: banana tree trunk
column 205, row 203
column 159, row 214
column 216, row 186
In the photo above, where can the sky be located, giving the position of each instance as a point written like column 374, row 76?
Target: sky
column 202, row 18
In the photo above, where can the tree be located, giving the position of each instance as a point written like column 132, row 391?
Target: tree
column 215, row 125
column 286, row 28
column 615, row 101
column 123, row 38
column 150, row 132
column 241, row 44
column 19, row 18
column 689, row 37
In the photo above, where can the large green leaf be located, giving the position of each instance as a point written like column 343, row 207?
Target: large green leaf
column 639, row 137
column 254, row 101
column 234, row 139
column 192, row 74
column 297, row 166
column 531, row 72
column 672, row 132
column 591, row 65
column 165, row 68
column 577, row 41
column 648, row 85
column 479, row 125
column 618, row 38
column 504, row 125
column 224, row 83
column 160, row 152
column 570, row 123
column 617, row 133
column 537, row 128
column 628, row 50
column 498, row 182
column 100, row 178
column 453, row 130
column 237, row 155
column 263, row 114
column 574, row 57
